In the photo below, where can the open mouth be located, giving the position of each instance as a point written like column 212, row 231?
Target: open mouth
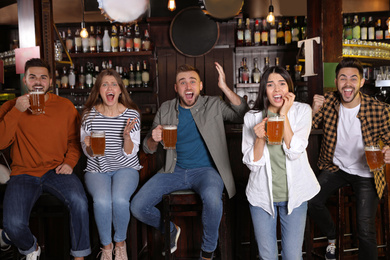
column 348, row 92
column 189, row 95
column 278, row 98
column 110, row 96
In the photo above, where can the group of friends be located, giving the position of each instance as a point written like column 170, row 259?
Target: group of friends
column 45, row 148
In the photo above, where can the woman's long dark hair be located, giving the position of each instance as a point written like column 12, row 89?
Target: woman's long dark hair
column 262, row 101
column 94, row 98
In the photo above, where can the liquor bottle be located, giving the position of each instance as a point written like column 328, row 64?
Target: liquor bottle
column 129, row 39
column 363, row 30
column 106, row 42
column 114, row 39
column 264, row 33
column 277, row 61
column 295, row 35
column 95, row 74
column 257, row 34
column 289, row 71
column 99, row 39
column 81, row 78
column 273, row 35
column 64, row 79
column 92, row 40
column 88, row 75
column 69, row 42
column 145, row 76
column 58, row 80
column 125, row 78
column 303, row 29
column 348, row 29
column 239, row 80
column 287, row 33
column 146, row 44
column 122, row 39
column 239, row 33
column 85, row 43
column 371, row 28
column 131, row 76
column 245, row 71
column 248, row 33
column 280, row 33
column 266, row 64
column 256, row 74
column 137, row 38
column 379, row 30
column 78, row 46
column 72, row 78
column 356, row 28
column 138, row 76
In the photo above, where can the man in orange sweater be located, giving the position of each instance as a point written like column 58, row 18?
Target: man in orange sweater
column 44, row 150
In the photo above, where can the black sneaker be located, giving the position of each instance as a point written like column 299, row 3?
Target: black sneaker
column 206, row 255
column 330, row 252
column 174, row 238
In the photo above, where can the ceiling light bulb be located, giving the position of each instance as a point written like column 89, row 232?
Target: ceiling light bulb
column 270, row 16
column 171, row 5
column 84, row 32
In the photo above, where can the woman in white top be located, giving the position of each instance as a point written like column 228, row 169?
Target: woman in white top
column 281, row 180
column 111, row 179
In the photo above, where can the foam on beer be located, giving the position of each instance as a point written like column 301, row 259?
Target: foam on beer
column 371, row 148
column 276, row 118
column 170, row 127
column 98, row 134
column 37, row 93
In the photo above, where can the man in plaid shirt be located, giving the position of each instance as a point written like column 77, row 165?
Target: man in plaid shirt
column 350, row 120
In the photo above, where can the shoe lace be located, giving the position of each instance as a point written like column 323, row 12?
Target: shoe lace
column 106, row 254
column 120, row 253
column 331, row 248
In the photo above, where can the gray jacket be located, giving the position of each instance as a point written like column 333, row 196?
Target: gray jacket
column 209, row 114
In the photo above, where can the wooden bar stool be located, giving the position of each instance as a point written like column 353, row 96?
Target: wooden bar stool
column 187, row 203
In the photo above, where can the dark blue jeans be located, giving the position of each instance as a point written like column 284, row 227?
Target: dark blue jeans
column 366, row 206
column 20, row 196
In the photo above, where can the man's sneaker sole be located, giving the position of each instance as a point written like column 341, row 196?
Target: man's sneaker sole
column 173, row 249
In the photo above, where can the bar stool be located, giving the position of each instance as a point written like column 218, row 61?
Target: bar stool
column 188, row 204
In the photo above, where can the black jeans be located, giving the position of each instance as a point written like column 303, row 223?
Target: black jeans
column 366, row 206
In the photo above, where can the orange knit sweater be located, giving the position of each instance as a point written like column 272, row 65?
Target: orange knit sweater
column 41, row 142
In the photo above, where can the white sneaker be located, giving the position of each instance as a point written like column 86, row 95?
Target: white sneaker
column 3, row 245
column 34, row 255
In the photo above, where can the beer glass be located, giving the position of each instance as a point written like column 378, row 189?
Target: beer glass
column 275, row 127
column 169, row 136
column 37, row 101
column 374, row 157
column 98, row 143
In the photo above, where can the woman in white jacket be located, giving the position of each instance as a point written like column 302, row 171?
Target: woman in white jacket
column 281, row 180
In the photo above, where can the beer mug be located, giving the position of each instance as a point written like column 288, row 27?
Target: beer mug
column 37, row 100
column 169, row 136
column 374, row 157
column 98, row 143
column 275, row 128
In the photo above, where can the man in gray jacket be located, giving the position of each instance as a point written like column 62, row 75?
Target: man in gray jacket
column 200, row 161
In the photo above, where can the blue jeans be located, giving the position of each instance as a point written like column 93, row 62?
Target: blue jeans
column 111, row 192
column 205, row 181
column 20, row 196
column 292, row 230
column 366, row 206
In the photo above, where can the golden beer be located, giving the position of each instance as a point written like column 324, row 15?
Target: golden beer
column 169, row 136
column 275, row 127
column 98, row 143
column 374, row 157
column 37, row 101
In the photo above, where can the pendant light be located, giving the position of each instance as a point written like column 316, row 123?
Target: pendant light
column 270, row 16
column 171, row 5
column 84, row 32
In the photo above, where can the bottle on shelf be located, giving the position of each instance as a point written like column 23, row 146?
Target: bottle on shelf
column 257, row 34
column 78, row 46
column 92, row 40
column 89, row 75
column 264, row 33
column 348, row 29
column 85, row 43
column 356, row 28
column 64, row 78
column 81, row 78
column 256, row 74
column 303, row 29
column 289, row 71
column 58, row 80
column 132, row 76
column 99, row 39
column 266, row 64
column 138, row 76
column 248, row 33
column 287, row 33
column 125, row 78
column 239, row 33
column 137, row 38
column 95, row 74
column 129, row 39
column 145, row 76
column 295, row 32
column 379, row 30
column 280, row 33
column 277, row 61
column 240, row 69
column 146, row 44
column 72, row 78
column 122, row 39
column 371, row 28
column 245, row 71
column 106, row 41
column 298, row 70
column 363, row 29
column 273, row 35
column 69, row 43
column 114, row 39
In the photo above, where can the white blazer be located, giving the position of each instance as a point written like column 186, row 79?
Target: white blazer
column 301, row 182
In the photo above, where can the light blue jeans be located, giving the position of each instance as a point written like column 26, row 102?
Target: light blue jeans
column 205, row 181
column 111, row 192
column 292, row 229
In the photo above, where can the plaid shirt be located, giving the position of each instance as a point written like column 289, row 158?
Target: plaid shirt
column 374, row 117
